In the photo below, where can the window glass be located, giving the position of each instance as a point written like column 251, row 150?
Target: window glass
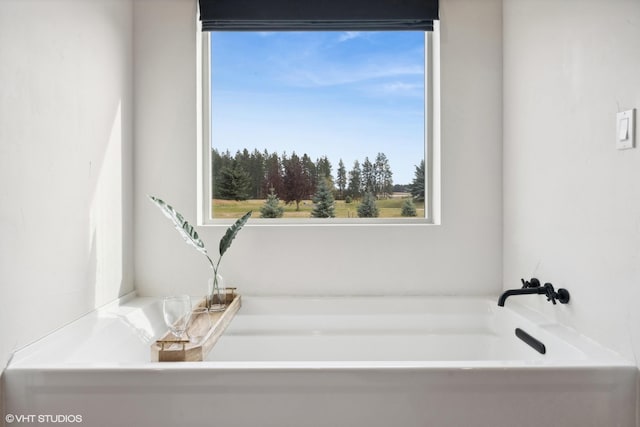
column 318, row 124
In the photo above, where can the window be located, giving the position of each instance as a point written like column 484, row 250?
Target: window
column 317, row 124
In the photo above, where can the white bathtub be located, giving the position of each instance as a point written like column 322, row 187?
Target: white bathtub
column 328, row 362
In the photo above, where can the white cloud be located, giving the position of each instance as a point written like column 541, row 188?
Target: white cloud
column 348, row 35
column 396, row 87
column 333, row 76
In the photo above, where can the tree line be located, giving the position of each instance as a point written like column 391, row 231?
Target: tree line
column 253, row 175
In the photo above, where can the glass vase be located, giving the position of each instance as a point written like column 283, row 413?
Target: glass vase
column 217, row 297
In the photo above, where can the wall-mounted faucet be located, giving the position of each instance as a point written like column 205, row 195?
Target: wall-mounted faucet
column 532, row 287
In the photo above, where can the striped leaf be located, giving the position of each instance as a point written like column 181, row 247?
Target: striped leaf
column 226, row 240
column 185, row 229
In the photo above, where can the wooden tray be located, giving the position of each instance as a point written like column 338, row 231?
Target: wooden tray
column 169, row 349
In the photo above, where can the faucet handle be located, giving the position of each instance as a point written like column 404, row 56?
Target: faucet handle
column 563, row 296
column 533, row 283
column 550, row 292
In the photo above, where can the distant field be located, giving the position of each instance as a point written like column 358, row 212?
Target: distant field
column 389, row 208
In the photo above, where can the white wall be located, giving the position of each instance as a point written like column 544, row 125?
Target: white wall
column 65, row 162
column 461, row 256
column 572, row 201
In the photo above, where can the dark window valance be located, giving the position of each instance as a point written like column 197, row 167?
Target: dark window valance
column 302, row 15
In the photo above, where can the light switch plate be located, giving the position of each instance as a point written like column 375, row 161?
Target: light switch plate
column 625, row 129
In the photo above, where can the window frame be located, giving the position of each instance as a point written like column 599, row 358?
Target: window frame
column 431, row 148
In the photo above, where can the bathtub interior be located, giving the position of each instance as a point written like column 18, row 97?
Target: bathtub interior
column 411, row 329
column 337, row 329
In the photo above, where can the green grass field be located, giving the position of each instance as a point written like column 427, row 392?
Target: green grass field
column 389, row 208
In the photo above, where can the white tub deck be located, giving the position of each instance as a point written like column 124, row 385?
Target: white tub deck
column 406, row 361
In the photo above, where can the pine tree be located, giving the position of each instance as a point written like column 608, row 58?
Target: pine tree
column 368, row 208
column 219, row 161
column 408, row 208
column 417, row 186
column 271, row 207
column 368, row 177
column 324, row 168
column 257, row 172
column 324, row 205
column 355, row 181
column 273, row 174
column 310, row 175
column 383, row 176
column 342, row 178
column 234, row 183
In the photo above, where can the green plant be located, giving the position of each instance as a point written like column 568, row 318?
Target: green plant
column 190, row 235
column 368, row 208
column 408, row 208
column 324, row 205
column 271, row 207
column 417, row 186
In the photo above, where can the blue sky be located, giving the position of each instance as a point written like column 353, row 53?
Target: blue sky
column 341, row 94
